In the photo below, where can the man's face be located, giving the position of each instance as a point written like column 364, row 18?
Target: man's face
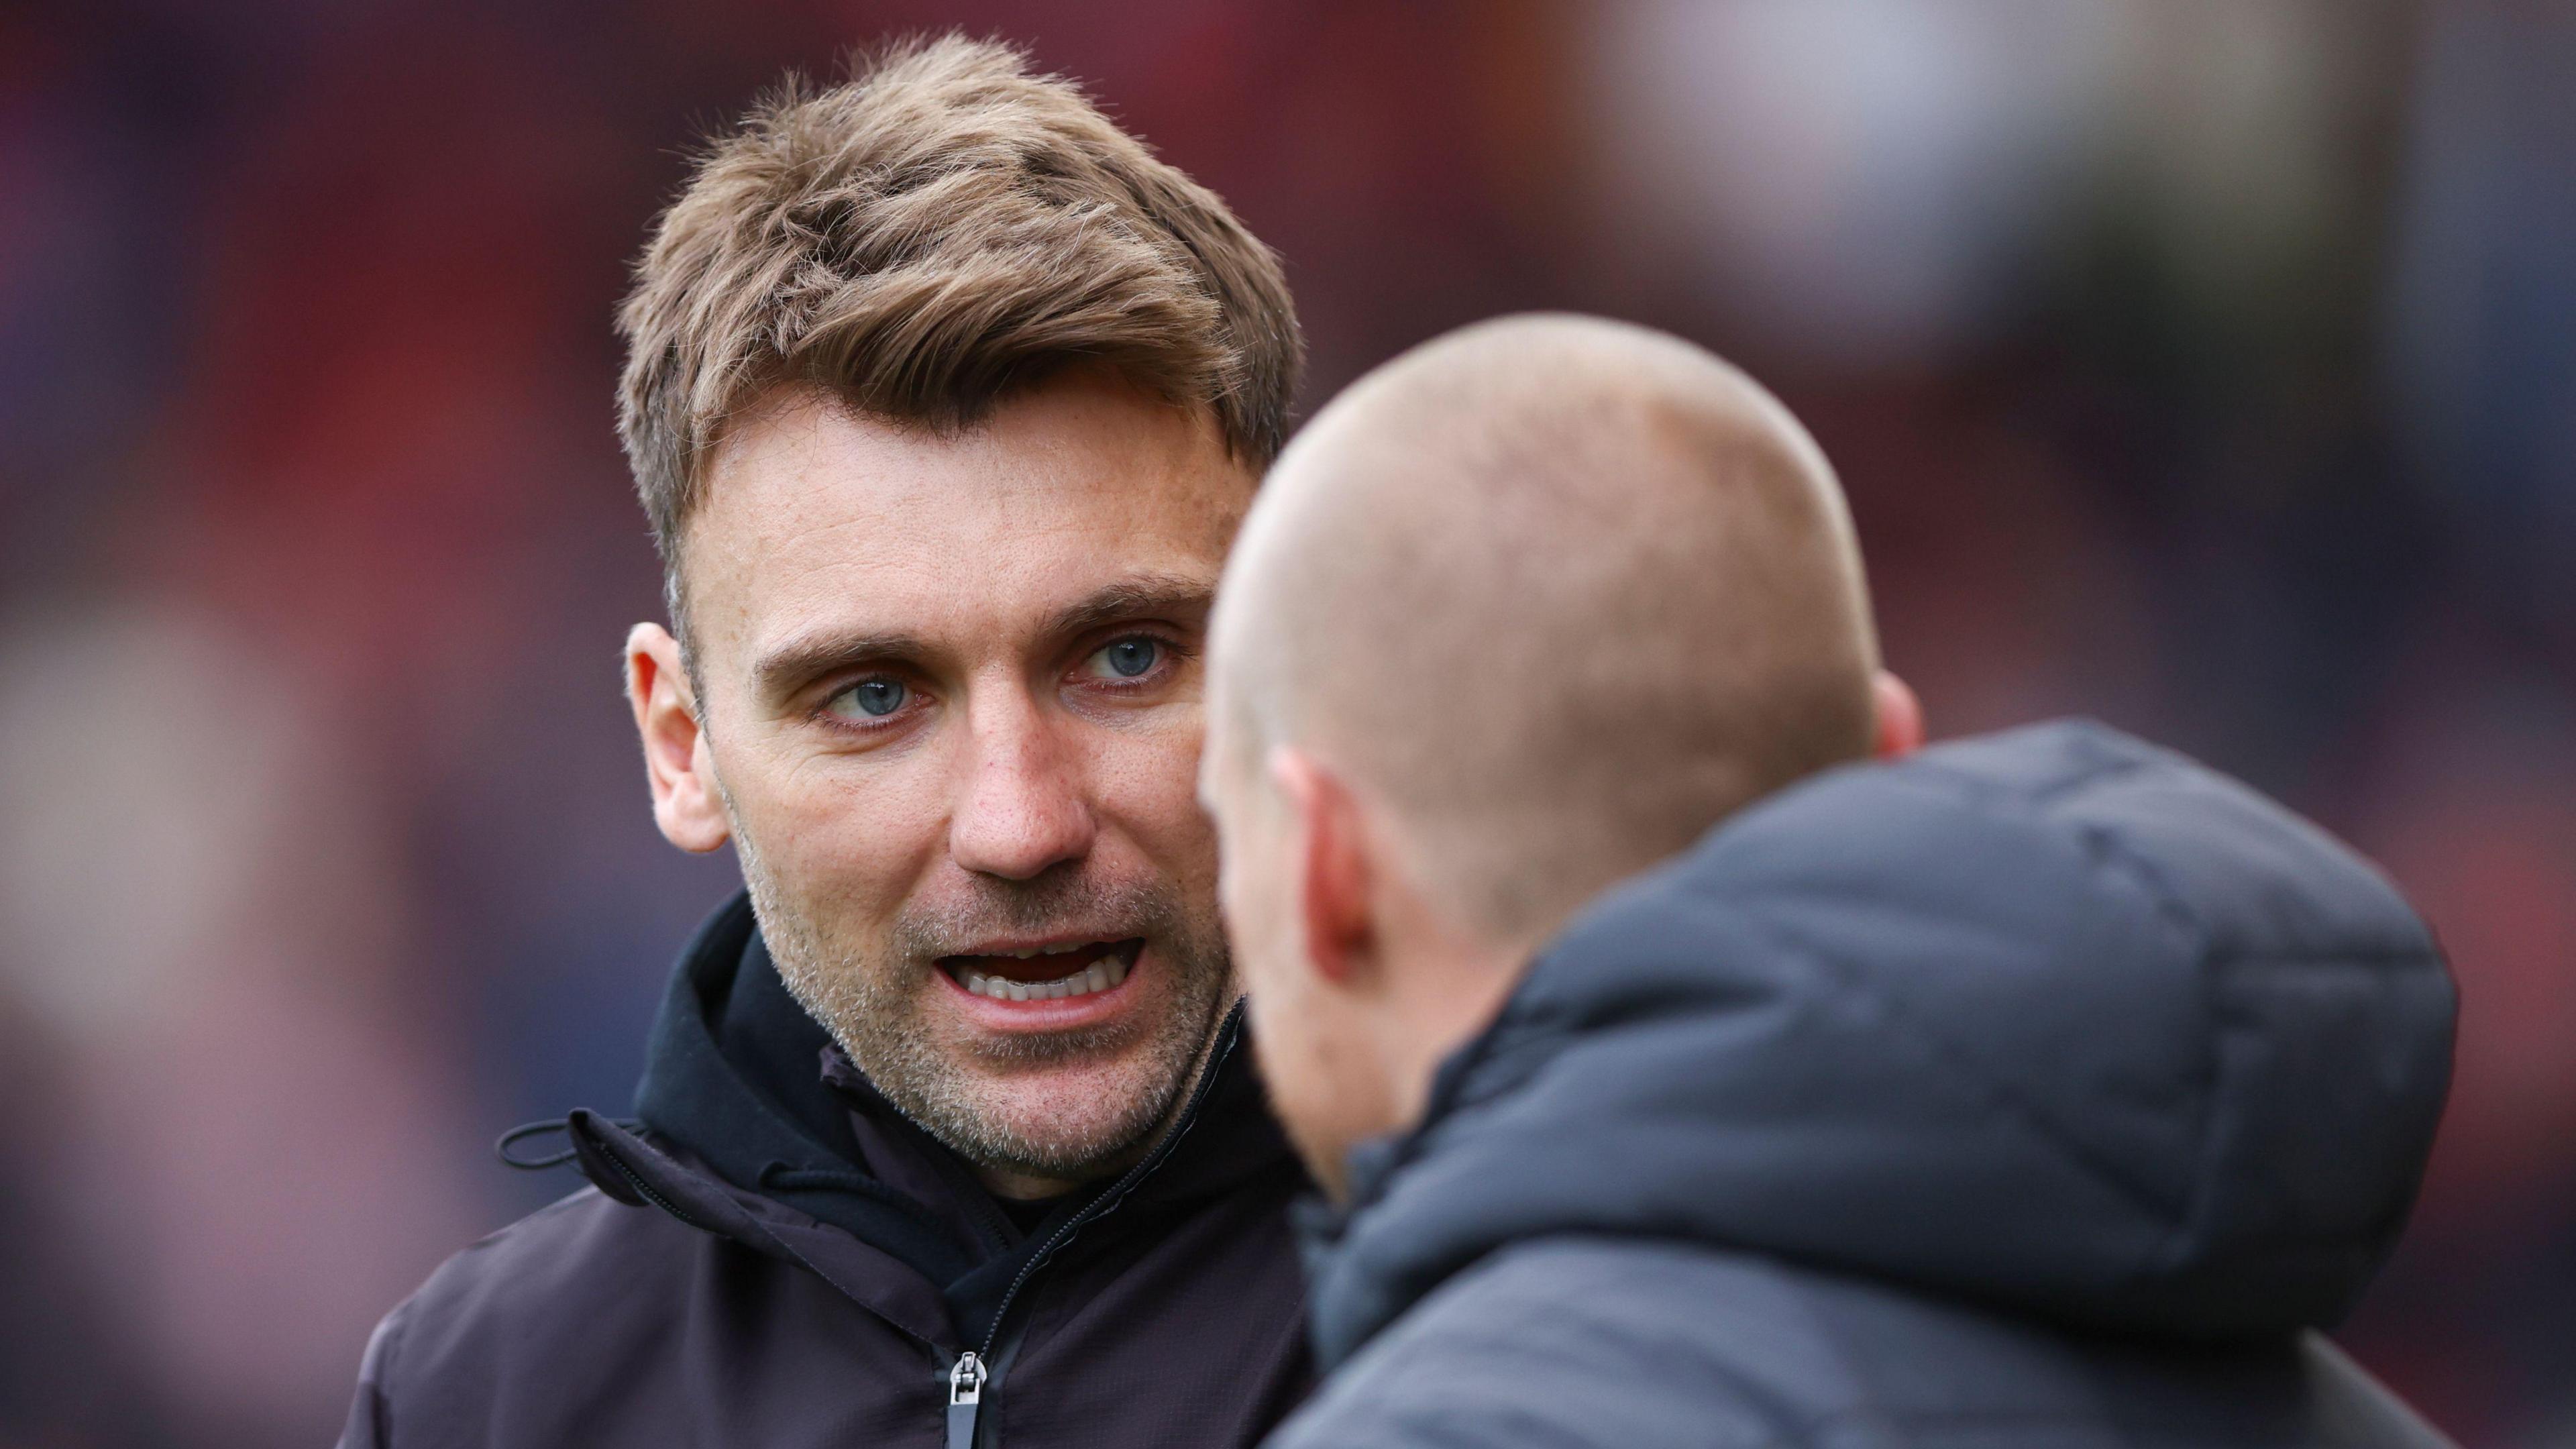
column 1301, row 1027
column 952, row 697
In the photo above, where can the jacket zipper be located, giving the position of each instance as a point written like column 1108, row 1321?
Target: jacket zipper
column 965, row 1399
column 971, row 1374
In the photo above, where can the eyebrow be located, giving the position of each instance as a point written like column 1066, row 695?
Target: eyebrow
column 1174, row 596
column 1178, row 597
column 786, row 669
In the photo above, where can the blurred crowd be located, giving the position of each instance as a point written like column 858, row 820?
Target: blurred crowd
column 2205, row 365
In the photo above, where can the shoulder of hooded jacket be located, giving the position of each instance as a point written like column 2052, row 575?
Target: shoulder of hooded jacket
column 2142, row 1050
column 1590, row 1340
column 500, row 1318
column 1583, row 1341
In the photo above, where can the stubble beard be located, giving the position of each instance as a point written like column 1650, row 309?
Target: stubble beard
column 955, row 1083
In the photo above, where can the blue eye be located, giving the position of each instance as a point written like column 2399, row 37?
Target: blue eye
column 1129, row 658
column 872, row 697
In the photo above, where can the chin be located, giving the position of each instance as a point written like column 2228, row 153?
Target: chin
column 1068, row 1115
column 1051, row 1053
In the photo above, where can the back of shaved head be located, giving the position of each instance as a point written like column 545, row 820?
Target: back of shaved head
column 1559, row 594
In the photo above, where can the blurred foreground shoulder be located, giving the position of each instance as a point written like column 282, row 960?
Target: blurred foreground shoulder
column 1565, row 1342
column 1584, row 1341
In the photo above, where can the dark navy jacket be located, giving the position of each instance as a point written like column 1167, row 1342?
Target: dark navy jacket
column 2044, row 1089
column 772, row 1256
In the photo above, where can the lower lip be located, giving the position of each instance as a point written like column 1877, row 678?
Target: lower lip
column 1056, row 1014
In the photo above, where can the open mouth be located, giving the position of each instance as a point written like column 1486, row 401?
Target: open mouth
column 1051, row 973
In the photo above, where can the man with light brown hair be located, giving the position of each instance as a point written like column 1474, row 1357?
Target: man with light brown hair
column 944, row 398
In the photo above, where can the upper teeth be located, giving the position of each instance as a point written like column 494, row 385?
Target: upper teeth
column 1100, row 975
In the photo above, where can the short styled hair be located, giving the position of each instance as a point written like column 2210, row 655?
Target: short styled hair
column 938, row 232
column 1560, row 593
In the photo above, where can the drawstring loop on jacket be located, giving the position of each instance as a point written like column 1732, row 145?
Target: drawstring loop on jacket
column 501, row 1148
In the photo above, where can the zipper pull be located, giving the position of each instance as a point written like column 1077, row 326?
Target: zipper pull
column 965, row 1398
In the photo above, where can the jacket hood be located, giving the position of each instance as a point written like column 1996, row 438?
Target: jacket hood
column 734, row 1079
column 2051, row 1020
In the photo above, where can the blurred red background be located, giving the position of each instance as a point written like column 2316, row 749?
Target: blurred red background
column 2205, row 365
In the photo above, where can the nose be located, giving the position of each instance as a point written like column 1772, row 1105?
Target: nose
column 1021, row 809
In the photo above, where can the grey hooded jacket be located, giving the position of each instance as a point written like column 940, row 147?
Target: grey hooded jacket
column 2045, row 1089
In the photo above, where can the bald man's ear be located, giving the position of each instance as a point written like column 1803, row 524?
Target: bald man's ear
column 1329, row 864
column 677, row 764
column 1900, row 718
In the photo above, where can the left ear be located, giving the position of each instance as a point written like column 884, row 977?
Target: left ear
column 678, row 763
column 1330, row 863
column 1899, row 730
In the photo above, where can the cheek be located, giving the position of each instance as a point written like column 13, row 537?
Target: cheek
column 1146, row 781
column 1292, row 1063
column 1257, row 920
column 849, row 839
column 1282, row 999
column 1309, row 1083
column 1262, row 963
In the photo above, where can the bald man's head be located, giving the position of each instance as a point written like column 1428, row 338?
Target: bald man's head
column 1559, row 594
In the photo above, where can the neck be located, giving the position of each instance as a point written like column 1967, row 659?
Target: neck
column 1029, row 1186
